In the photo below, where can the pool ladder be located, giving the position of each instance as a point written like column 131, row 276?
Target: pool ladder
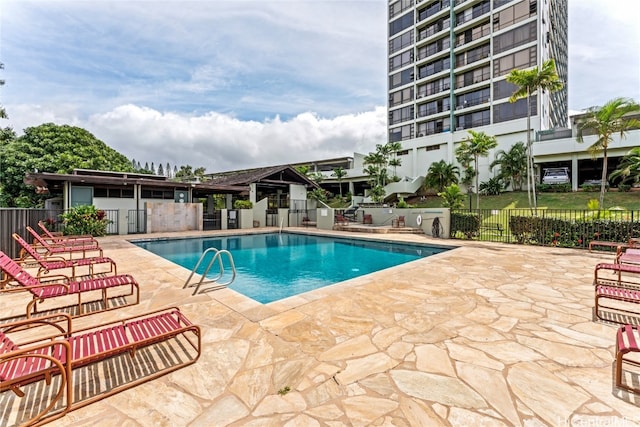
column 217, row 256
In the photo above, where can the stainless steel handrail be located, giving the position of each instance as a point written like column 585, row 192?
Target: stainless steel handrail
column 216, row 285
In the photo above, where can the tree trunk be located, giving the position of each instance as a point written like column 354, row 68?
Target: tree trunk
column 603, row 181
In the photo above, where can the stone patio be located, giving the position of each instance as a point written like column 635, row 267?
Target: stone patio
column 486, row 334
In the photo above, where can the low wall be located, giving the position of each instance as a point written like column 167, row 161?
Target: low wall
column 173, row 217
column 434, row 222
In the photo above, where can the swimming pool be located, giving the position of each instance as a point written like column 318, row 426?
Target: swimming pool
column 274, row 266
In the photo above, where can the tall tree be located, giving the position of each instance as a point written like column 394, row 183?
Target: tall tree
column 614, row 117
column 441, row 175
column 339, row 173
column 160, row 170
column 167, row 171
column 513, row 165
column 477, row 145
column 530, row 82
column 629, row 167
column 52, row 148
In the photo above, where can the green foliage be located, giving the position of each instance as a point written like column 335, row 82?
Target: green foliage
column 593, row 205
column 452, row 197
column 477, row 144
column 402, row 203
column 85, row 220
column 629, row 169
column 242, row 204
column 569, row 233
column 553, row 188
column 318, row 194
column 493, row 187
column 377, row 193
column 441, row 174
column 617, row 116
column 376, row 167
column 51, row 148
column 466, row 224
column 513, row 165
column 589, row 188
column 624, row 188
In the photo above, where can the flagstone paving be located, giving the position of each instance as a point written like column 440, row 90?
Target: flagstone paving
column 486, row 334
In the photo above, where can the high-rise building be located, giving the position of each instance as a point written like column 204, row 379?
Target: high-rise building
column 448, row 63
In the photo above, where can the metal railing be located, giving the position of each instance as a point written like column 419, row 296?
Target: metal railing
column 548, row 227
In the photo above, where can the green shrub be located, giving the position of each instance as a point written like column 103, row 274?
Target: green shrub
column 590, row 188
column 466, row 223
column 85, row 220
column 242, row 204
column 553, row 188
column 570, row 233
column 624, row 188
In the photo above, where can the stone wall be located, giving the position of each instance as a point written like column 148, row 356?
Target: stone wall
column 173, row 216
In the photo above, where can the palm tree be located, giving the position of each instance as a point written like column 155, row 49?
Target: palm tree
column 339, row 173
column 611, row 118
column 476, row 146
column 440, row 175
column 513, row 164
column 529, row 82
column 629, row 168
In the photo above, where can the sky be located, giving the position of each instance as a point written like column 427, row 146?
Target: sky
column 237, row 84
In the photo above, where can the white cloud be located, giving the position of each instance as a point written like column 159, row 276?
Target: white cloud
column 221, row 142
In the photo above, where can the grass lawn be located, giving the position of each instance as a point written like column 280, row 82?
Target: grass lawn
column 518, row 200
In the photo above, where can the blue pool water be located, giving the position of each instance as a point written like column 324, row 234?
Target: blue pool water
column 274, row 266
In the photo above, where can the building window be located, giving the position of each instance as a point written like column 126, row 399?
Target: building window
column 399, row 7
column 148, row 193
column 401, row 42
column 472, row 120
column 513, row 14
column 514, row 38
column 435, row 86
column 519, row 60
column 511, row 111
column 472, row 77
column 434, row 126
column 401, row 24
column 432, row 147
column 470, row 99
column 433, row 67
column 401, row 96
column 113, row 193
column 401, row 133
column 401, row 78
column 503, row 89
column 401, row 115
column 401, row 60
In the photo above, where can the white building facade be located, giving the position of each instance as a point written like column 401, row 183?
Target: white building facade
column 448, row 62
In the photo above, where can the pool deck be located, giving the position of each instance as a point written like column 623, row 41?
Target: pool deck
column 486, row 334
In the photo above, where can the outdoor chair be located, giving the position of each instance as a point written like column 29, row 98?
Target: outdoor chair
column 55, row 262
column 64, row 357
column 57, row 286
column 628, row 255
column 627, row 341
column 47, row 249
column 60, row 239
column 401, row 222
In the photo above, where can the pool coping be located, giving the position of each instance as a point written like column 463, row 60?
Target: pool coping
column 256, row 311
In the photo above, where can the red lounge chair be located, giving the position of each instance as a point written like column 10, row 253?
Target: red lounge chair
column 61, row 286
column 627, row 341
column 61, row 239
column 65, row 350
column 47, row 249
column 55, row 263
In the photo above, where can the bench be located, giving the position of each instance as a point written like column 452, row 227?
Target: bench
column 598, row 279
column 627, row 341
column 617, row 293
column 492, row 227
column 628, row 256
column 633, row 242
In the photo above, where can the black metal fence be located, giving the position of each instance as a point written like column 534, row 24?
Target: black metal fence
column 546, row 227
column 16, row 220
